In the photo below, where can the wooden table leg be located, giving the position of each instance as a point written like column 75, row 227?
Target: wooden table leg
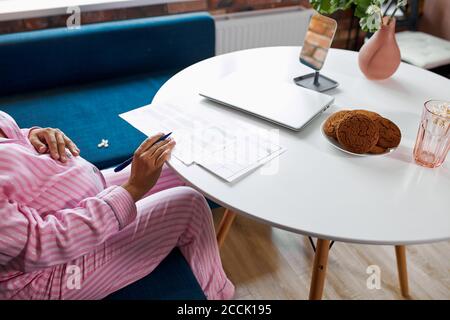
column 400, row 252
column 319, row 269
column 224, row 226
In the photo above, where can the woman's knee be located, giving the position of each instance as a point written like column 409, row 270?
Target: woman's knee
column 196, row 204
column 180, row 201
column 196, row 198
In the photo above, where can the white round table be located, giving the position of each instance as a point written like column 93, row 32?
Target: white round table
column 318, row 190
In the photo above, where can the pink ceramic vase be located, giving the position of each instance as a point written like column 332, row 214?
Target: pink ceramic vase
column 379, row 57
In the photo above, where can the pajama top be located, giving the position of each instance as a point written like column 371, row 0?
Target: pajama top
column 37, row 231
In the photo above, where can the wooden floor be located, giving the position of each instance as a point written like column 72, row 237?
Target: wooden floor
column 269, row 263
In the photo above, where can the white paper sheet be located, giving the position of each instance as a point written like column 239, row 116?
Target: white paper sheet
column 228, row 150
column 235, row 160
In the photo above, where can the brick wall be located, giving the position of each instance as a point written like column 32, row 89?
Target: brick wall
column 344, row 38
column 214, row 6
column 436, row 18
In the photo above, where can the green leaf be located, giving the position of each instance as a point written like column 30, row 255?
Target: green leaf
column 330, row 6
column 361, row 7
column 344, row 4
column 322, row 6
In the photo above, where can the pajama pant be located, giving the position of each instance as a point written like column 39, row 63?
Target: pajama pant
column 171, row 215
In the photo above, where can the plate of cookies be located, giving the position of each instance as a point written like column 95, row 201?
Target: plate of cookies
column 361, row 132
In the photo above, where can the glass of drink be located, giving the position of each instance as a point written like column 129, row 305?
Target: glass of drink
column 433, row 138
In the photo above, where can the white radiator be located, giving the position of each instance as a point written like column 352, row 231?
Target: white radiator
column 261, row 28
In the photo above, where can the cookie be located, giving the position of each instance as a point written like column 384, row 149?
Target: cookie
column 390, row 134
column 357, row 133
column 329, row 126
column 372, row 115
column 377, row 150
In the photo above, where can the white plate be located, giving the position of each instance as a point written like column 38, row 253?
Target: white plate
column 336, row 144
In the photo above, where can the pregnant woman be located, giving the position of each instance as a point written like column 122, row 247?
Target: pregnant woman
column 69, row 231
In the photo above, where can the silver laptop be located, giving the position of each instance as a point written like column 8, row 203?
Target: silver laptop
column 283, row 103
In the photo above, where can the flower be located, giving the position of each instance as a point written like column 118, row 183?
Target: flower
column 373, row 10
column 371, row 23
column 373, row 20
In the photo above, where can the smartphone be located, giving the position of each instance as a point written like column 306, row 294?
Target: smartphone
column 318, row 41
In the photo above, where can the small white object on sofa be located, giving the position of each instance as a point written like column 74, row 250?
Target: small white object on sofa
column 423, row 50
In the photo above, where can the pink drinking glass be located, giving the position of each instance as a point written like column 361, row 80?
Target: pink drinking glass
column 433, row 137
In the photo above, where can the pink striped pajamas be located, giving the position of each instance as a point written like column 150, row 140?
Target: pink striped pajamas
column 59, row 221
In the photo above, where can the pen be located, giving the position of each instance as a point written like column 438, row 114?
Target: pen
column 124, row 164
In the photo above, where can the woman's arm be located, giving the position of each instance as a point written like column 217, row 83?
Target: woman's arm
column 30, row 241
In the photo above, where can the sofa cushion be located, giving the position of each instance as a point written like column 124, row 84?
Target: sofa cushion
column 171, row 280
column 49, row 58
column 88, row 113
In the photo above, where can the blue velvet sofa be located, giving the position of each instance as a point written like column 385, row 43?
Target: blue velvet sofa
column 79, row 80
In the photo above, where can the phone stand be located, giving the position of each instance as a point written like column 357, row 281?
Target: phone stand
column 316, row 81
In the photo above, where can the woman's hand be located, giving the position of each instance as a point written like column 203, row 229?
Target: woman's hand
column 52, row 141
column 147, row 164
